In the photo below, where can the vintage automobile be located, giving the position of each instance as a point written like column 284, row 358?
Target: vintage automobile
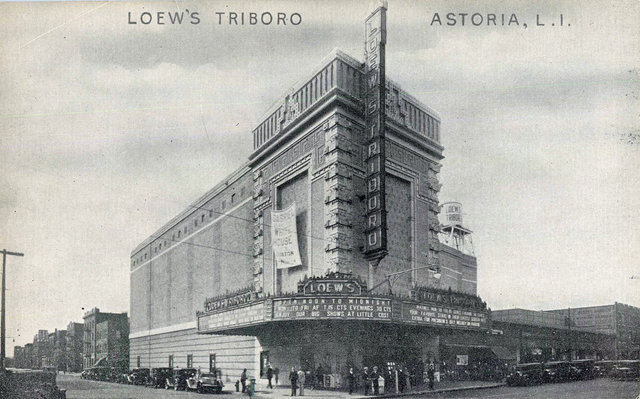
column 205, row 382
column 582, row 369
column 626, row 370
column 557, row 371
column 179, row 379
column 526, row 374
column 603, row 368
column 138, row 376
column 158, row 377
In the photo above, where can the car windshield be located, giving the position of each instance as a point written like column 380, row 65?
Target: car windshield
column 209, row 375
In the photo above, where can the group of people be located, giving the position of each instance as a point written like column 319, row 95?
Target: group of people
column 297, row 379
column 371, row 379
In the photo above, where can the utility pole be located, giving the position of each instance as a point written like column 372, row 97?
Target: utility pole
column 3, row 328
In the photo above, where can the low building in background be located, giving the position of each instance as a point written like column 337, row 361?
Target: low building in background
column 19, row 360
column 619, row 320
column 75, row 337
column 42, row 350
column 96, row 342
column 112, row 341
column 58, row 345
column 536, row 336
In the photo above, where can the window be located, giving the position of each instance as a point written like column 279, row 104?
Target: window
column 189, row 361
column 195, row 222
column 233, row 198
column 171, row 361
column 185, row 229
column 212, row 362
column 242, row 192
column 210, row 213
column 264, row 362
column 179, row 232
column 224, row 204
column 202, row 218
column 138, row 362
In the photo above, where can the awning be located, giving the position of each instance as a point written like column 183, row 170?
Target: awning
column 503, row 353
column 102, row 362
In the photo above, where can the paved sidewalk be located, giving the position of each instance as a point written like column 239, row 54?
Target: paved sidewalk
column 285, row 392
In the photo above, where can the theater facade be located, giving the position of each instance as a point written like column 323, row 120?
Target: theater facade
column 322, row 250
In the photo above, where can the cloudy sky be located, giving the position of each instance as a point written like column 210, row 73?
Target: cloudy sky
column 108, row 129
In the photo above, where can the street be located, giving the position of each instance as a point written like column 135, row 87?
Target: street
column 595, row 389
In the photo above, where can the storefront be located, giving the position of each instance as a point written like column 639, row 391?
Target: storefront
column 333, row 323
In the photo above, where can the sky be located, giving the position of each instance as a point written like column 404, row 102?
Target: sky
column 109, row 129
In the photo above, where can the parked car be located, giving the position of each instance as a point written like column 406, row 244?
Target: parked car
column 139, row 376
column 204, row 382
column 582, row 369
column 558, row 371
column 603, row 368
column 526, row 374
column 179, row 380
column 626, row 370
column 158, row 377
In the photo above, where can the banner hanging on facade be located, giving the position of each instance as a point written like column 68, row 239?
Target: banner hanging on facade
column 284, row 238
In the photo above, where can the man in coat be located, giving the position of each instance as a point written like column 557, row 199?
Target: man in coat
column 374, row 380
column 293, row 377
column 366, row 380
column 301, row 379
column 243, row 380
column 431, row 371
column 352, row 380
column 269, row 376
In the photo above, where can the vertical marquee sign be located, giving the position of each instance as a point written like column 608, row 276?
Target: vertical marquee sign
column 374, row 96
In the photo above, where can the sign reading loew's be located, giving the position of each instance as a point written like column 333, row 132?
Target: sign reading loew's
column 334, row 284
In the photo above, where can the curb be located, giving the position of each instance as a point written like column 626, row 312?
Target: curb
column 437, row 391
column 408, row 394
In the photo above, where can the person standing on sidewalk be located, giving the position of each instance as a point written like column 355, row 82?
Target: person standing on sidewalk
column 293, row 377
column 431, row 373
column 269, row 376
column 276, row 373
column 366, row 380
column 243, row 380
column 352, row 380
column 301, row 380
column 374, row 380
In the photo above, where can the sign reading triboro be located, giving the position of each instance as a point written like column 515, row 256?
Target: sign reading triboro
column 374, row 54
column 284, row 236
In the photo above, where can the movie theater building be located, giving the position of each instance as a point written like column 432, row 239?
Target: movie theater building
column 321, row 251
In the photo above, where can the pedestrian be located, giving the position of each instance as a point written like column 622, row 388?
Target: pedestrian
column 407, row 376
column 301, row 380
column 401, row 380
column 319, row 380
column 431, row 373
column 243, row 380
column 276, row 373
column 352, row 380
column 293, row 377
column 374, row 380
column 366, row 380
column 269, row 376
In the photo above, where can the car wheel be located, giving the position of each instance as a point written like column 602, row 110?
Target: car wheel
column 199, row 389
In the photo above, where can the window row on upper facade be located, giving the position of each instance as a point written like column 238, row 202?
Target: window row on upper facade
column 195, row 220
